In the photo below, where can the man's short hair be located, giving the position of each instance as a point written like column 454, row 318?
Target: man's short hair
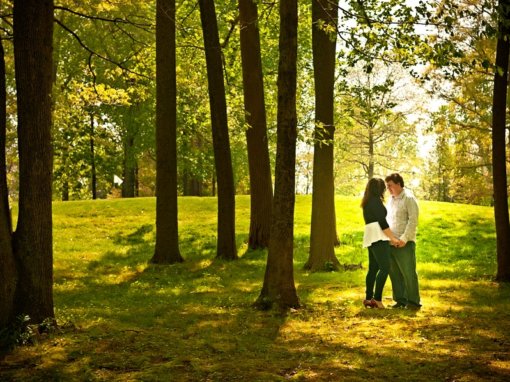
column 395, row 178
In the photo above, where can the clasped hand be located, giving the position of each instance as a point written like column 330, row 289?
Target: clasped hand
column 398, row 243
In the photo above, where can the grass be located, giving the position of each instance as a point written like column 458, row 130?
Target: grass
column 123, row 320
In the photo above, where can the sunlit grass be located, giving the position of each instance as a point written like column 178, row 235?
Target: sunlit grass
column 124, row 320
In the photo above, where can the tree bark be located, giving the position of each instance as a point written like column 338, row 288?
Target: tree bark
column 261, row 189
column 226, row 245
column 279, row 289
column 7, row 264
column 323, row 226
column 167, row 236
column 33, row 34
column 499, row 146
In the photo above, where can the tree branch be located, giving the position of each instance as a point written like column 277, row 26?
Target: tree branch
column 116, row 20
column 93, row 53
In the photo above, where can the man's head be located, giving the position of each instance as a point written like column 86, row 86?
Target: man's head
column 395, row 184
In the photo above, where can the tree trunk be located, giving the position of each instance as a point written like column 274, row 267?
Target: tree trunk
column 65, row 172
column 261, row 189
column 226, row 245
column 370, row 168
column 7, row 265
column 167, row 236
column 279, row 288
column 93, row 174
column 323, row 225
column 499, row 144
column 33, row 34
column 129, row 164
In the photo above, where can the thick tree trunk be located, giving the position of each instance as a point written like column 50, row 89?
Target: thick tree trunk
column 323, row 226
column 499, row 144
column 226, row 245
column 279, row 288
column 261, row 189
column 7, row 265
column 33, row 34
column 167, row 237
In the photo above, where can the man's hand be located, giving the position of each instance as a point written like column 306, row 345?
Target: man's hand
column 398, row 243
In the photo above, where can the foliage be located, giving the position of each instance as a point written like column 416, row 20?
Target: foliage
column 462, row 127
column 17, row 334
column 124, row 320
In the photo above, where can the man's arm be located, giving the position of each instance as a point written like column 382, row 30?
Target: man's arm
column 412, row 221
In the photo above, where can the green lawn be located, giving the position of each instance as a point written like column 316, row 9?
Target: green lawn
column 123, row 320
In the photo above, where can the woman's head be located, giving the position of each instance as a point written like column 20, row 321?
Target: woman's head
column 375, row 188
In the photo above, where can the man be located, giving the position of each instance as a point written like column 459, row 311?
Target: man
column 403, row 221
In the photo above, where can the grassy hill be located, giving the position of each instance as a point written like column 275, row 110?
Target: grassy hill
column 123, row 320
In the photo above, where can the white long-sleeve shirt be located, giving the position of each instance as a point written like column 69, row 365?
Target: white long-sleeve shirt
column 403, row 215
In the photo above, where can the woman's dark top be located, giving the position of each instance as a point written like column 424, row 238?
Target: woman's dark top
column 374, row 211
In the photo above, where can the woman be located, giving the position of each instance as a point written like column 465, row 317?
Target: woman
column 377, row 238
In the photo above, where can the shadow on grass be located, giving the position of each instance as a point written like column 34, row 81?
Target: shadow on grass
column 216, row 336
column 194, row 321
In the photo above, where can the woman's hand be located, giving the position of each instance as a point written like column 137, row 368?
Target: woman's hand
column 395, row 242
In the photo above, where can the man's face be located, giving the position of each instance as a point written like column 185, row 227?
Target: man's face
column 394, row 188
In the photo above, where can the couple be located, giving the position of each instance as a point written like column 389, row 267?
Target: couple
column 391, row 242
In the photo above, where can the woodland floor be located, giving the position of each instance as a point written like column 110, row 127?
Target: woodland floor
column 123, row 320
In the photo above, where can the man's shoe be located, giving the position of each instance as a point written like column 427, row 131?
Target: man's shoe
column 413, row 307
column 398, row 305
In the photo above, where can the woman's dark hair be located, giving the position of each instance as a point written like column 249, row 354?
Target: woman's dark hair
column 395, row 178
column 375, row 188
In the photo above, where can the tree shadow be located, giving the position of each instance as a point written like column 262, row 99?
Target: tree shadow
column 194, row 321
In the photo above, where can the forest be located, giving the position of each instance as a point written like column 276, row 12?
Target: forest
column 172, row 103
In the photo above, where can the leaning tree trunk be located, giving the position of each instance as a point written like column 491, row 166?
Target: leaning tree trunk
column 226, row 245
column 33, row 34
column 499, row 145
column 279, row 288
column 323, row 225
column 7, row 265
column 167, row 237
column 261, row 190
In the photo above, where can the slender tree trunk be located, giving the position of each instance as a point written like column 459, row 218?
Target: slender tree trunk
column 7, row 265
column 129, row 164
column 33, row 34
column 499, row 144
column 226, row 245
column 323, row 225
column 93, row 174
column 167, row 235
column 65, row 173
column 137, row 179
column 370, row 172
column 279, row 288
column 261, row 189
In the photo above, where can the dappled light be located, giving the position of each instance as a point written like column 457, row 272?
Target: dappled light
column 122, row 319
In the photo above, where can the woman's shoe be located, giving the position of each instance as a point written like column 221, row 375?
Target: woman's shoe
column 377, row 304
column 368, row 303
